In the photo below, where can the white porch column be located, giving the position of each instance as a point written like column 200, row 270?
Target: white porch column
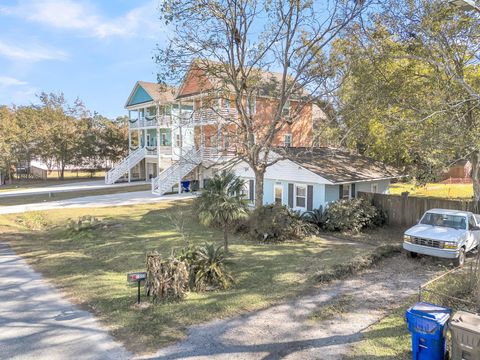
column 129, row 143
column 138, row 131
column 158, row 139
column 181, row 146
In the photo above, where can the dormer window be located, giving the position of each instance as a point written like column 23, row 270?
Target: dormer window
column 287, row 140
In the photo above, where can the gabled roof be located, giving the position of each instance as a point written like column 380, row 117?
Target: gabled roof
column 339, row 166
column 144, row 92
column 268, row 80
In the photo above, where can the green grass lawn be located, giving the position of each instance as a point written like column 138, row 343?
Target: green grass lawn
column 445, row 191
column 31, row 199
column 91, row 267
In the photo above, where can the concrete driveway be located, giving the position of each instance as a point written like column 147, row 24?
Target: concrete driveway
column 69, row 187
column 37, row 323
column 127, row 198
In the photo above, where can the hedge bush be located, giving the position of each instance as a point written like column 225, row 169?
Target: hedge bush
column 346, row 215
column 272, row 223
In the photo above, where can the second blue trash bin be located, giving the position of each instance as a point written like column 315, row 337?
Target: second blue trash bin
column 427, row 324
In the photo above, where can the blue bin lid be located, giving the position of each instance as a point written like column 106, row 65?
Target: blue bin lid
column 434, row 312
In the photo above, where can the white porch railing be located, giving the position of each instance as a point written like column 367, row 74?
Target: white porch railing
column 126, row 164
column 171, row 175
column 208, row 116
column 163, row 121
column 164, row 150
column 214, row 154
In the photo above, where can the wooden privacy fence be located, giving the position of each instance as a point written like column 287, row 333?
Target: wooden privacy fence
column 404, row 210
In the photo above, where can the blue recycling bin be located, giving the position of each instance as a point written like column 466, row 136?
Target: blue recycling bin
column 186, row 186
column 428, row 323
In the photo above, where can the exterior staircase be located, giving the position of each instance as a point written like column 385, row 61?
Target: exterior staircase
column 126, row 164
column 171, row 175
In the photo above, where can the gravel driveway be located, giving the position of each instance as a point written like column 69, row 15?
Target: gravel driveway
column 287, row 331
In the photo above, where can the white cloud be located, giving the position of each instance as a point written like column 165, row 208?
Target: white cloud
column 7, row 81
column 31, row 52
column 82, row 16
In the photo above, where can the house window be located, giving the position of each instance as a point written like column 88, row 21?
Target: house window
column 300, row 196
column 252, row 105
column 278, row 194
column 177, row 140
column 346, row 192
column 374, row 188
column 226, row 141
column 287, row 140
column 213, row 140
column 247, row 191
column 226, row 103
column 286, row 109
column 164, row 139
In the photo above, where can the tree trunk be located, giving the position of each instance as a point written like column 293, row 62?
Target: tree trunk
column 225, row 237
column 259, row 179
column 475, row 160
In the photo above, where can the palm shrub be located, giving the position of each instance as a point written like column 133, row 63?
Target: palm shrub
column 206, row 266
column 221, row 203
column 316, row 217
column 210, row 268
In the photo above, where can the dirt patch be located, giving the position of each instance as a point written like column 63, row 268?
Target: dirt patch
column 286, row 331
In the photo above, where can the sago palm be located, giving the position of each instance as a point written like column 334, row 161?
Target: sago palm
column 222, row 202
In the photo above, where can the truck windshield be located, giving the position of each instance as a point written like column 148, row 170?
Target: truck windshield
column 452, row 221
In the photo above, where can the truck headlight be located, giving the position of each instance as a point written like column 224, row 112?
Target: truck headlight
column 407, row 238
column 449, row 245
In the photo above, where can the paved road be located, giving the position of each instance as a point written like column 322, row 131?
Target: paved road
column 36, row 323
column 69, row 187
column 128, row 198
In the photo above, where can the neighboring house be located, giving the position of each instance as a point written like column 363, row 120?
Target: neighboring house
column 460, row 170
column 306, row 178
column 186, row 134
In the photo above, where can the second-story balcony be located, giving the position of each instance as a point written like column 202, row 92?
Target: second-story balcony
column 163, row 121
column 210, row 116
column 153, row 150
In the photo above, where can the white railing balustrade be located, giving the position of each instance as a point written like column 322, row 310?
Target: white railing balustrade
column 209, row 116
column 123, row 166
column 171, row 175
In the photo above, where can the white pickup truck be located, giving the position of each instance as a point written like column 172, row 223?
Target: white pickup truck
column 444, row 233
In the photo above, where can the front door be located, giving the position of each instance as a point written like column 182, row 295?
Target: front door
column 278, row 194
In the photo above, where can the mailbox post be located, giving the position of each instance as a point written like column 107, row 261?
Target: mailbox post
column 137, row 277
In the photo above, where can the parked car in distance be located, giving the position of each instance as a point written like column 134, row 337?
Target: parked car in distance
column 444, row 233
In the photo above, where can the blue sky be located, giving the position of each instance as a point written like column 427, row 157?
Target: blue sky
column 94, row 50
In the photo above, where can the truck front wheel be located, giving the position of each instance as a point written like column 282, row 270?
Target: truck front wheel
column 460, row 260
column 412, row 254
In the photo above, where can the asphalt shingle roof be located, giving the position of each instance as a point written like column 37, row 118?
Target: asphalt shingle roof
column 339, row 166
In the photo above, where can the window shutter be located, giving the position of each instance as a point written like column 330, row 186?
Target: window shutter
column 290, row 195
column 353, row 191
column 310, row 197
column 340, row 192
column 251, row 188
